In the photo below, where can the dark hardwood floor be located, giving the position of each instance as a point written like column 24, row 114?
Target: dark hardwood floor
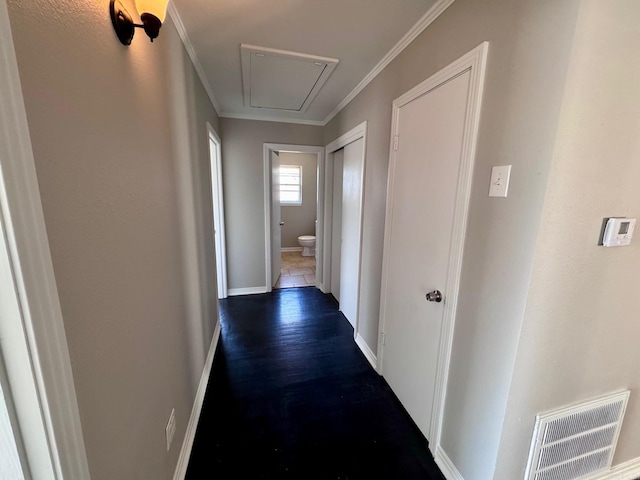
column 292, row 397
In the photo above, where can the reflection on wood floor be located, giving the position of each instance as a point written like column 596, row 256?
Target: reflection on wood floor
column 291, row 397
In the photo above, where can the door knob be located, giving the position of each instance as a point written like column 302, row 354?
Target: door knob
column 435, row 296
column 281, row 223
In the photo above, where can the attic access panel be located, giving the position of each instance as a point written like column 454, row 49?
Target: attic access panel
column 282, row 80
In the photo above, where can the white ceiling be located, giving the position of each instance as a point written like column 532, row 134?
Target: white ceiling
column 359, row 33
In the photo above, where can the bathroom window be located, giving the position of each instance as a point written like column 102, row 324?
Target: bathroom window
column 290, row 184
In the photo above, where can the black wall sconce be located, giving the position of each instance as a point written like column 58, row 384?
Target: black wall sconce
column 152, row 14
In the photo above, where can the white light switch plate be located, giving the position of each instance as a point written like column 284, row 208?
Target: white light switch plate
column 499, row 181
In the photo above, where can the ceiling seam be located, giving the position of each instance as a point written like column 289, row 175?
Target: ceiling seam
column 243, row 116
column 427, row 19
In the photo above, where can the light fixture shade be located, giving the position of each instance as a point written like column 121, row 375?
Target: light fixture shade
column 157, row 8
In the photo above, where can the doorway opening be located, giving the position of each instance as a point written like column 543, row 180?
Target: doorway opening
column 293, row 214
column 215, row 156
column 297, row 189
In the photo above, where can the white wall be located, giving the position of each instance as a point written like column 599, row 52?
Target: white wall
column 243, row 175
column 580, row 334
column 300, row 219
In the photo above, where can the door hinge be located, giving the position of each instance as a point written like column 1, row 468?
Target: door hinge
column 395, row 143
column 383, row 338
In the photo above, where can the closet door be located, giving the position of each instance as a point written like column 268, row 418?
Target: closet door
column 352, row 175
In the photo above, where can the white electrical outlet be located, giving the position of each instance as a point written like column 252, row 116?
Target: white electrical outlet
column 499, row 181
column 170, row 429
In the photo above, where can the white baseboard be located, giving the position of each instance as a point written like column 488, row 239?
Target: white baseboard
column 234, row 292
column 190, row 434
column 625, row 471
column 291, row 249
column 369, row 355
column 447, row 467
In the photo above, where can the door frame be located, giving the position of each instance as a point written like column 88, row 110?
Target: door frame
column 266, row 158
column 35, row 347
column 356, row 133
column 217, row 198
column 475, row 62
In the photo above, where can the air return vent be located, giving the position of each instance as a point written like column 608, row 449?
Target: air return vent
column 573, row 442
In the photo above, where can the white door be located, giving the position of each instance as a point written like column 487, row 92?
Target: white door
column 421, row 202
column 276, row 234
column 352, row 172
column 218, row 214
column 336, row 224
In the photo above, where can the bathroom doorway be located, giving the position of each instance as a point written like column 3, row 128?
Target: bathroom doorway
column 293, row 210
column 298, row 189
column 339, row 214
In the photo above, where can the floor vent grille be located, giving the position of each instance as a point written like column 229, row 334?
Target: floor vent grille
column 573, row 442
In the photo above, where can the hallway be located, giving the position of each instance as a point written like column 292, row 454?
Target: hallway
column 291, row 397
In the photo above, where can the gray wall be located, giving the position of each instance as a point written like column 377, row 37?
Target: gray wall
column 580, row 334
column 301, row 220
column 121, row 154
column 243, row 174
column 530, row 43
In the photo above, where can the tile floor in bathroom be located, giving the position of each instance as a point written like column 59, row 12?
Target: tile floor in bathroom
column 296, row 271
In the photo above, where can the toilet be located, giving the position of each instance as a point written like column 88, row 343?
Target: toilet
column 308, row 244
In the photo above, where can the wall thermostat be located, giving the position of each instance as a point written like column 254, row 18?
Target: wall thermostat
column 618, row 232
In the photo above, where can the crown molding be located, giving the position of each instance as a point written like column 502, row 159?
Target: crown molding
column 299, row 121
column 427, row 19
column 184, row 36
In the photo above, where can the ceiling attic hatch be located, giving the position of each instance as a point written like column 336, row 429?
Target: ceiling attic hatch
column 282, row 80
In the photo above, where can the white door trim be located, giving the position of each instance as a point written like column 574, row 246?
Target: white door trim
column 217, row 197
column 356, row 133
column 266, row 158
column 39, row 318
column 475, row 62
